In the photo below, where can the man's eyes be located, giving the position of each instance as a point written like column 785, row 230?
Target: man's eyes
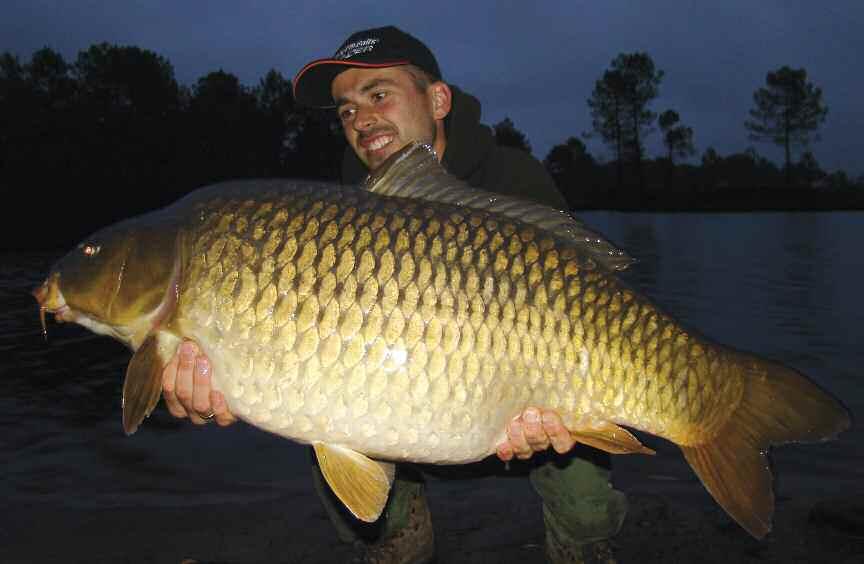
column 347, row 113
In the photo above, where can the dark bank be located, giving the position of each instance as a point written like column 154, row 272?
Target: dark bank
column 113, row 134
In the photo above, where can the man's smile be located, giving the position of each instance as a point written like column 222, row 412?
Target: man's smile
column 376, row 142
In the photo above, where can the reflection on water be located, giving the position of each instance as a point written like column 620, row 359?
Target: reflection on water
column 785, row 285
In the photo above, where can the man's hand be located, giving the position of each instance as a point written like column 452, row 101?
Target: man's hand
column 534, row 431
column 187, row 389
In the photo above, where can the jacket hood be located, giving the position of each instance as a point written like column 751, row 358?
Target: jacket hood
column 469, row 142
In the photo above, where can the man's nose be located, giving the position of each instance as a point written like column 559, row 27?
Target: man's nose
column 364, row 119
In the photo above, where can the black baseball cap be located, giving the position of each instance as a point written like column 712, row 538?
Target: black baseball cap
column 372, row 48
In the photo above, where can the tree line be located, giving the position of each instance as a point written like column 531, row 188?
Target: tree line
column 113, row 133
column 787, row 111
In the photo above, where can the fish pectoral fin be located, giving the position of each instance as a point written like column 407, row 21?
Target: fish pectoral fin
column 359, row 482
column 143, row 384
column 608, row 436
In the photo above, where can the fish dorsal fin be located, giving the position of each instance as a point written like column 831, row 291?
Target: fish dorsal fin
column 143, row 384
column 608, row 436
column 359, row 482
column 414, row 172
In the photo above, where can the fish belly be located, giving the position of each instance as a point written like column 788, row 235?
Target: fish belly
column 385, row 413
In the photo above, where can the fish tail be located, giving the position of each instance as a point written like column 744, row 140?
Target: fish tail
column 778, row 406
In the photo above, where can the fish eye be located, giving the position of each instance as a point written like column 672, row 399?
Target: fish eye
column 90, row 249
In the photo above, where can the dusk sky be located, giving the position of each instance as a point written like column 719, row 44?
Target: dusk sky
column 535, row 65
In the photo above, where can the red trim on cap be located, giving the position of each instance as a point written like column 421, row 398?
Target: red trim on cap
column 345, row 62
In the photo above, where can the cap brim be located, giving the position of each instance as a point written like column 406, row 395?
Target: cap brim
column 317, row 77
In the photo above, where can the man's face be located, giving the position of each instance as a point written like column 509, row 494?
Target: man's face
column 382, row 110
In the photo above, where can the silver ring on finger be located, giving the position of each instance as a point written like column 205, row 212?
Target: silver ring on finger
column 208, row 416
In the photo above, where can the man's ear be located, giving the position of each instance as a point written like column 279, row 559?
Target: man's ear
column 442, row 99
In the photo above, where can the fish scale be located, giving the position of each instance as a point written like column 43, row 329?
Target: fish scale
column 412, row 319
column 377, row 292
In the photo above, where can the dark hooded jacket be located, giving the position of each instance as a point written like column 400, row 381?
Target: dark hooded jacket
column 472, row 155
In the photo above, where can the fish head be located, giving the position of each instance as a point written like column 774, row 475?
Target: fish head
column 115, row 281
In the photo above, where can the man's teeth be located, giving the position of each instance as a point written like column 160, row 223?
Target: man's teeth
column 380, row 142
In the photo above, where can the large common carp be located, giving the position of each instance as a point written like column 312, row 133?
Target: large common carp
column 412, row 319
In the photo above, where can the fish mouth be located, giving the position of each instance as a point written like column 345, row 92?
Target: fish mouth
column 51, row 300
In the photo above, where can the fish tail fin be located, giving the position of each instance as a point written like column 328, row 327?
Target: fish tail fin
column 779, row 405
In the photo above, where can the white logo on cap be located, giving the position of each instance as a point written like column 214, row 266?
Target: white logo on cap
column 356, row 48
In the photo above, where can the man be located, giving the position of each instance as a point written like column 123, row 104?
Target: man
column 388, row 91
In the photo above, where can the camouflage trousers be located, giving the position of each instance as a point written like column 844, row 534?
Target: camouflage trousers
column 580, row 506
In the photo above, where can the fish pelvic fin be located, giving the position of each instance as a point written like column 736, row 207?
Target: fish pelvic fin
column 609, row 437
column 143, row 384
column 779, row 406
column 359, row 482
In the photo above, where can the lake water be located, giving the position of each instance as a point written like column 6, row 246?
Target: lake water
column 785, row 285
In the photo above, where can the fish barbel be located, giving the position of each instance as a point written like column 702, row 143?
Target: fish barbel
column 412, row 319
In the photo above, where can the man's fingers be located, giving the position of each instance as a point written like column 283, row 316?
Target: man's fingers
column 201, row 386
column 197, row 419
column 220, row 409
column 169, row 383
column 177, row 380
column 535, row 435
column 184, row 385
column 187, row 387
column 520, row 446
column 505, row 452
column 558, row 434
column 535, row 430
column 202, row 410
